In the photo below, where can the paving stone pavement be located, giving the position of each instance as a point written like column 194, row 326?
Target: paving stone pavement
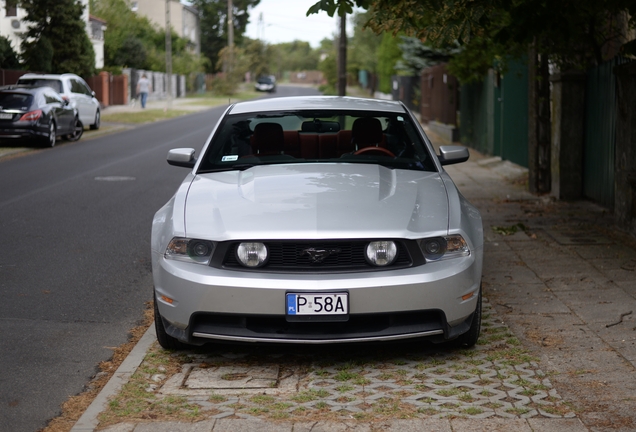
column 557, row 351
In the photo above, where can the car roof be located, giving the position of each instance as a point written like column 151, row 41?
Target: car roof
column 49, row 76
column 18, row 88
column 342, row 103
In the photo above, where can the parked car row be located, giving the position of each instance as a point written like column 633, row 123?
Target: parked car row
column 42, row 107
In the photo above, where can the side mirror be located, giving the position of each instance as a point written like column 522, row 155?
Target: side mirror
column 449, row 155
column 182, row 157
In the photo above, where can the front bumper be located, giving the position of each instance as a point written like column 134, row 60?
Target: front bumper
column 210, row 303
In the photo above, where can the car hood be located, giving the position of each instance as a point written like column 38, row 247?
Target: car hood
column 295, row 201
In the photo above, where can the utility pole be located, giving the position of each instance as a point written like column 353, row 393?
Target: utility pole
column 230, row 34
column 168, row 54
column 342, row 56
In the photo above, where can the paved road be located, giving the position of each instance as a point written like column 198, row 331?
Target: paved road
column 74, row 257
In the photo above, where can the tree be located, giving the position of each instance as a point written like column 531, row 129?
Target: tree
column 294, row 56
column 256, row 57
column 133, row 41
column 56, row 39
column 363, row 49
column 388, row 55
column 214, row 26
column 417, row 56
column 8, row 57
column 342, row 8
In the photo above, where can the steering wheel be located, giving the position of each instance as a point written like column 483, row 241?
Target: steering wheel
column 381, row 150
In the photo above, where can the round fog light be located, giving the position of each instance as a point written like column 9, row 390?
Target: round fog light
column 381, row 253
column 252, row 254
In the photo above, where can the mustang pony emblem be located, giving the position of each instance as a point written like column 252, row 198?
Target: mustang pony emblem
column 319, row 255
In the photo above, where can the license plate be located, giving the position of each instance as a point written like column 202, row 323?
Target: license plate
column 4, row 116
column 316, row 306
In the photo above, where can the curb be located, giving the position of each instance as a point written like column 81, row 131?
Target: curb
column 88, row 421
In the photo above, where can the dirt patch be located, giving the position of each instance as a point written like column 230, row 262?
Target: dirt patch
column 543, row 340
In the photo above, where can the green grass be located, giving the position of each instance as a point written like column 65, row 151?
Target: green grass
column 145, row 116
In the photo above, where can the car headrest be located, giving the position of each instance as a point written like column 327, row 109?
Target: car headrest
column 268, row 139
column 366, row 131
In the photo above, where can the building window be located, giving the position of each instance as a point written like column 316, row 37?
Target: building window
column 11, row 8
column 134, row 6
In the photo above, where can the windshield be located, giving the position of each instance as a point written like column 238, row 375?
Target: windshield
column 389, row 139
column 40, row 82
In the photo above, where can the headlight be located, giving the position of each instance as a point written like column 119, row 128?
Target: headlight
column 190, row 250
column 441, row 248
column 252, row 254
column 381, row 253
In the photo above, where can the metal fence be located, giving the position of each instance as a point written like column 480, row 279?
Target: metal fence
column 600, row 133
column 407, row 90
column 494, row 114
column 439, row 96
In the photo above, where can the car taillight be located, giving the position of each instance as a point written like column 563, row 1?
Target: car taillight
column 31, row 116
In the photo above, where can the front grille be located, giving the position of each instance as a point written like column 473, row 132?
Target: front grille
column 291, row 256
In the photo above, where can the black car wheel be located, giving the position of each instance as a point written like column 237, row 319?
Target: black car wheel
column 98, row 120
column 165, row 340
column 51, row 138
column 77, row 132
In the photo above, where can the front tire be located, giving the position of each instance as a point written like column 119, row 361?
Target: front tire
column 98, row 120
column 51, row 138
column 78, row 131
column 165, row 340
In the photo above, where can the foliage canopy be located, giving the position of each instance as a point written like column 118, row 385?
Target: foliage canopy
column 214, row 33
column 133, row 41
column 56, row 39
column 574, row 34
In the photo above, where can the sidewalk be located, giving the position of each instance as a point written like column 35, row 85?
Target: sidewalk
column 557, row 351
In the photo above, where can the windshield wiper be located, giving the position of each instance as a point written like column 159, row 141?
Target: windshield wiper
column 236, row 167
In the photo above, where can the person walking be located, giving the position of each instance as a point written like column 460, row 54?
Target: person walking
column 143, row 88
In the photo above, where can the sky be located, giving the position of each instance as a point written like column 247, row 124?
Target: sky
column 286, row 21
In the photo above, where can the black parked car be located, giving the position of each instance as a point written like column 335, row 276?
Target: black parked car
column 37, row 115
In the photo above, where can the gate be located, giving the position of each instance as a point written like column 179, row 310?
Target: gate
column 600, row 133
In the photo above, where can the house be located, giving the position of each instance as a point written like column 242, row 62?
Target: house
column 12, row 25
column 184, row 19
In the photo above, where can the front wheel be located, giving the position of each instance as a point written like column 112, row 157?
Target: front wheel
column 98, row 120
column 165, row 340
column 50, row 139
column 78, row 130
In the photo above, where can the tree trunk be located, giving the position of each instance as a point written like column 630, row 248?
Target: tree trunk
column 539, row 130
column 342, row 57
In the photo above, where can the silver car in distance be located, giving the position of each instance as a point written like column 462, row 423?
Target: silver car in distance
column 317, row 220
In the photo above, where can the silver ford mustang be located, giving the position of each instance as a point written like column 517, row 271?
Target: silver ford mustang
column 317, row 220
